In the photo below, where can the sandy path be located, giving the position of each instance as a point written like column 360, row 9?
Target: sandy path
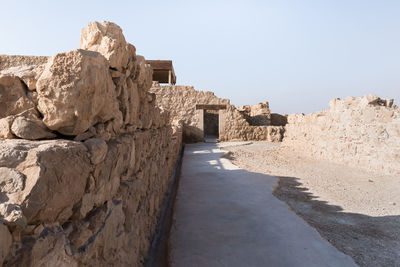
column 357, row 211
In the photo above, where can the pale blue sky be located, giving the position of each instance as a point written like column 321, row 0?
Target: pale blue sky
column 295, row 54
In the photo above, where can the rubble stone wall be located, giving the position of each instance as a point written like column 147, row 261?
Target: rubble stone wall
column 91, row 194
column 181, row 102
column 363, row 132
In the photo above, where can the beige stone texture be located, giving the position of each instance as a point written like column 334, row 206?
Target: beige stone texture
column 10, row 61
column 13, row 96
column 244, row 123
column 76, row 91
column 5, row 127
column 363, row 132
column 30, row 129
column 28, row 74
column 94, row 201
column 107, row 39
column 256, row 115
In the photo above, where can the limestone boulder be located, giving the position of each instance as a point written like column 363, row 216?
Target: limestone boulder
column 76, row 91
column 107, row 39
column 31, row 129
column 5, row 127
column 13, row 96
column 51, row 186
column 28, row 74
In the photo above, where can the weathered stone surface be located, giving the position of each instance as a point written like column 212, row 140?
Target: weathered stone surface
column 13, row 96
column 28, row 74
column 107, row 39
column 5, row 242
column 11, row 181
column 256, row 115
column 91, row 203
column 11, row 215
column 76, row 91
column 5, row 127
column 52, row 187
column 180, row 102
column 363, row 131
column 245, row 123
column 275, row 133
column 9, row 61
column 30, row 129
column 97, row 149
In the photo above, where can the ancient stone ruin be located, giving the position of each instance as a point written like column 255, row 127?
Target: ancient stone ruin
column 243, row 123
column 89, row 145
column 82, row 180
column 363, row 131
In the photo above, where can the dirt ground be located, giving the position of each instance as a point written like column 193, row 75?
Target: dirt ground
column 356, row 211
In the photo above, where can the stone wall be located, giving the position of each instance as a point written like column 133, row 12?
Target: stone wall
column 181, row 102
column 256, row 115
column 363, row 132
column 234, row 122
column 91, row 195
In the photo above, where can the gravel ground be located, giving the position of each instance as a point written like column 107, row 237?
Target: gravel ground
column 356, row 211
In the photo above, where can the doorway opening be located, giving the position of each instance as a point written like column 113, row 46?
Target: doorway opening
column 211, row 124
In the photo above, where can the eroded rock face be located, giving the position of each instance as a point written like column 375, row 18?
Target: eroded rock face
column 107, row 39
column 94, row 201
column 28, row 74
column 30, row 129
column 13, row 96
column 76, row 91
column 11, row 181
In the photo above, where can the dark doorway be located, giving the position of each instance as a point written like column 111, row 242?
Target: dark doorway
column 211, row 123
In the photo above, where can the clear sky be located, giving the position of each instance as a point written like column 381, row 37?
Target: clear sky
column 295, row 54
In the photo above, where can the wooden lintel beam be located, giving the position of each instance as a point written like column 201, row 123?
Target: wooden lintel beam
column 210, row 106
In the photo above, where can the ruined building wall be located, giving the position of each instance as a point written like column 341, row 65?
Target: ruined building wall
column 363, row 132
column 91, row 194
column 181, row 102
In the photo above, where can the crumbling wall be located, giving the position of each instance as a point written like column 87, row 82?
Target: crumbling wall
column 364, row 132
column 181, row 102
column 92, row 194
column 256, row 115
column 236, row 127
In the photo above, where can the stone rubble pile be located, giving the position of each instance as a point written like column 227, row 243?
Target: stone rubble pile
column 363, row 132
column 91, row 194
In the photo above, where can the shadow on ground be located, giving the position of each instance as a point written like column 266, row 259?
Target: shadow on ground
column 370, row 241
column 227, row 216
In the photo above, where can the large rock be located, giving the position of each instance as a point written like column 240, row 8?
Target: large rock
column 13, row 97
column 28, row 74
column 52, row 186
column 76, row 91
column 107, row 39
column 31, row 129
